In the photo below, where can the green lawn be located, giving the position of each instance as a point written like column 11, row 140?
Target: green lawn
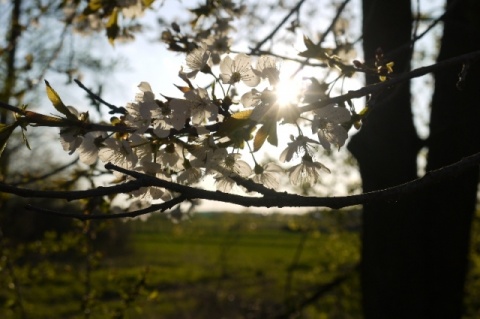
column 212, row 266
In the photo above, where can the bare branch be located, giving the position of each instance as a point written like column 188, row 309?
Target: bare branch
column 367, row 90
column 113, row 109
column 277, row 28
column 83, row 217
column 272, row 199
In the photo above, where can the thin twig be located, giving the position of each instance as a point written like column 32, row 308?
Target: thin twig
column 46, row 175
column 367, row 90
column 113, row 108
column 324, row 34
column 277, row 28
column 83, row 217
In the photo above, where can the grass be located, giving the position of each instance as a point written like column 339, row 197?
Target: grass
column 212, row 266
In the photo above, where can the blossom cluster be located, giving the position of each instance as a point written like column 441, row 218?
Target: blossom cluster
column 183, row 140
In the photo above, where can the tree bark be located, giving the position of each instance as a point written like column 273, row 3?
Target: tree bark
column 454, row 134
column 386, row 150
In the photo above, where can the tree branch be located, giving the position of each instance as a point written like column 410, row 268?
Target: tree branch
column 272, row 199
column 274, row 31
column 113, row 109
column 367, row 90
column 83, row 217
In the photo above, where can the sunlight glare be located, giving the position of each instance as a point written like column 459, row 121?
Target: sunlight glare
column 288, row 92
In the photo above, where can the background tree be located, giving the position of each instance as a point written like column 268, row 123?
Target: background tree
column 414, row 228
column 386, row 149
column 446, row 209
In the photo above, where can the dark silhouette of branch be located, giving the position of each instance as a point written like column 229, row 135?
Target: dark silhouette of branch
column 320, row 292
column 272, row 199
column 46, row 175
column 277, row 28
column 113, row 109
column 324, row 34
column 73, row 195
column 367, row 90
column 83, row 217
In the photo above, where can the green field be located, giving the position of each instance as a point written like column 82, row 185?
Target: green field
column 211, row 266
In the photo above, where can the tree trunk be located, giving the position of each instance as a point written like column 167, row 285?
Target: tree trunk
column 454, row 133
column 386, row 150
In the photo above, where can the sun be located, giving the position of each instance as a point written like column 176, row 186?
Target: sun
column 288, row 92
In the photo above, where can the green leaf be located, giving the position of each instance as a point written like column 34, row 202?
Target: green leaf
column 57, row 102
column 242, row 115
column 272, row 135
column 267, row 132
column 5, row 132
column 112, row 26
column 260, row 138
column 94, row 6
column 147, row 3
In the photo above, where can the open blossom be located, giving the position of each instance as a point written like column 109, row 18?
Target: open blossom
column 267, row 69
column 223, row 183
column 297, row 146
column 151, row 193
column 218, row 44
column 170, row 156
column 238, row 69
column 307, row 172
column 139, row 114
column 268, row 175
column 327, row 123
column 190, row 174
column 198, row 61
column 88, row 150
column 197, row 104
column 232, row 163
column 118, row 152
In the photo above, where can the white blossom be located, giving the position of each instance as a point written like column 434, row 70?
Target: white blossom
column 88, row 150
column 307, row 172
column 267, row 68
column 238, row 69
column 297, row 146
column 190, row 174
column 150, row 193
column 328, row 125
column 139, row 114
column 198, row 61
column 118, row 152
column 170, row 156
column 223, row 183
column 268, row 175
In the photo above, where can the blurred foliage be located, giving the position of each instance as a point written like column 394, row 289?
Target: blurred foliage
column 215, row 265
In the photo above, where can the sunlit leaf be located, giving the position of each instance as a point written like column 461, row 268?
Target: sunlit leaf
column 272, row 135
column 147, row 3
column 183, row 89
column 266, row 132
column 242, row 115
column 315, row 51
column 25, row 140
column 112, row 26
column 5, row 132
column 231, row 124
column 260, row 137
column 57, row 102
column 93, row 6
